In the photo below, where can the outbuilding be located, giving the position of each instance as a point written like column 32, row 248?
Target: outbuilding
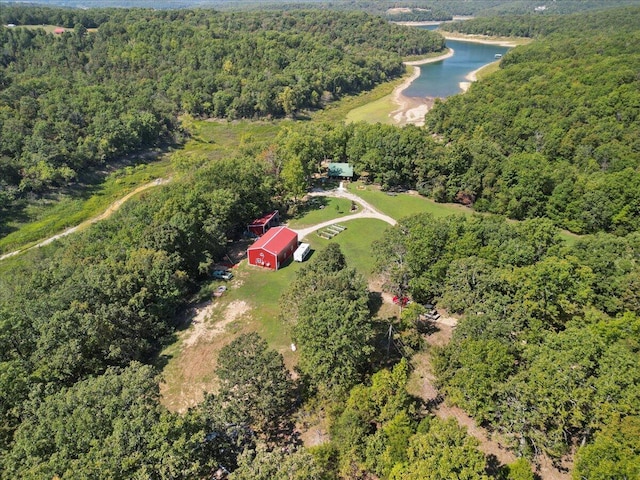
column 302, row 252
column 274, row 248
column 343, row 171
column 260, row 225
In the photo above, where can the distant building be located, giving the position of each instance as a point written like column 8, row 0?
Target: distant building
column 260, row 225
column 59, row 31
column 343, row 171
column 274, row 248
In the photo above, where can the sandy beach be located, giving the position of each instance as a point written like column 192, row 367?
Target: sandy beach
column 479, row 39
column 413, row 109
column 470, row 78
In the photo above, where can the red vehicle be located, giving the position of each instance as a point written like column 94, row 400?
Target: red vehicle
column 402, row 301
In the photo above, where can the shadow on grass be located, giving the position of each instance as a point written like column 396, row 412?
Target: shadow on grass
column 309, row 205
column 13, row 213
column 386, row 354
column 426, row 327
column 375, row 302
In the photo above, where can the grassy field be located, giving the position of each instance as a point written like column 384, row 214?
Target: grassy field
column 338, row 112
column 46, row 28
column 375, row 112
column 487, row 70
column 251, row 303
column 404, row 204
column 215, row 139
column 45, row 217
column 355, row 242
column 320, row 209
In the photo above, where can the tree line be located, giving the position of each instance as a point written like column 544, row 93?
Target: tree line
column 540, row 138
column 74, row 101
column 544, row 352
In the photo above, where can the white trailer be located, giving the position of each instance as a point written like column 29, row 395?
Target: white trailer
column 302, row 252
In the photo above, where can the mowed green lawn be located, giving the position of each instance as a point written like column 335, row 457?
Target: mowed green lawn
column 321, row 209
column 355, row 242
column 404, row 204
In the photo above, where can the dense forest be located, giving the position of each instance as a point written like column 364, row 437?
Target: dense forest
column 564, row 142
column 75, row 101
column 546, row 352
column 546, row 349
column 426, row 9
column 107, row 299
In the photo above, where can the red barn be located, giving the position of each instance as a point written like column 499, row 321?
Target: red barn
column 273, row 248
column 261, row 225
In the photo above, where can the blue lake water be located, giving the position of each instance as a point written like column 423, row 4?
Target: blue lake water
column 442, row 79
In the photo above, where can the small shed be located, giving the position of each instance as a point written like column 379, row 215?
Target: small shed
column 59, row 31
column 343, row 171
column 274, row 248
column 260, row 225
column 302, row 252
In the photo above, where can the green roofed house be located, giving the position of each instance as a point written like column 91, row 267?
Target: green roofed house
column 343, row 171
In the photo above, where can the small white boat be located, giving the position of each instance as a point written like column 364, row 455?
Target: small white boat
column 497, row 55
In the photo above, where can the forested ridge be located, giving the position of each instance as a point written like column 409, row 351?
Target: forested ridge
column 77, row 100
column 545, row 352
column 422, row 9
column 558, row 125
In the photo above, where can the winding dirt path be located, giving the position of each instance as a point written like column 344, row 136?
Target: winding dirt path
column 106, row 214
column 368, row 211
column 490, row 444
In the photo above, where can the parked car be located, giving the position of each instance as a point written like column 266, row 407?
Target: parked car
column 219, row 291
column 222, row 275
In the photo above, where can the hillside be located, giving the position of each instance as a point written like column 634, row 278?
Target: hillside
column 555, row 132
column 73, row 102
column 121, row 355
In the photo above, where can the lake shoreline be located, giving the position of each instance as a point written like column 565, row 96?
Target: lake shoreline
column 411, row 110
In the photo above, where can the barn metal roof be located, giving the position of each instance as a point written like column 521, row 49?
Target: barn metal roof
column 259, row 222
column 275, row 240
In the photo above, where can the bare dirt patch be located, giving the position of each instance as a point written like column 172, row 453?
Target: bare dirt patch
column 314, row 434
column 397, row 10
column 189, row 376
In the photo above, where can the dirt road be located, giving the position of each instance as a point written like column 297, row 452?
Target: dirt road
column 368, row 211
column 106, row 214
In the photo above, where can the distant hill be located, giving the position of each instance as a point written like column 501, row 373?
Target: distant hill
column 439, row 7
